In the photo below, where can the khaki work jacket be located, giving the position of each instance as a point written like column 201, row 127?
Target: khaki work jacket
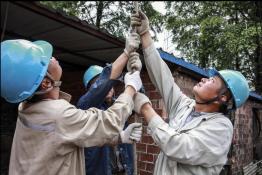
column 198, row 147
column 51, row 134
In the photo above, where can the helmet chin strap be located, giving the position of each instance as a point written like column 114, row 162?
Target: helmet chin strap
column 208, row 101
column 217, row 98
column 44, row 91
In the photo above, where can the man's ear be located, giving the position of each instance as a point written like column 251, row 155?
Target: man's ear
column 46, row 83
column 223, row 98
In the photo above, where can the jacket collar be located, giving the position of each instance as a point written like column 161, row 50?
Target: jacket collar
column 62, row 95
column 65, row 96
column 196, row 121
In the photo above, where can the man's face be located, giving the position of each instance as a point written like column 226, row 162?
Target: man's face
column 109, row 95
column 55, row 69
column 207, row 88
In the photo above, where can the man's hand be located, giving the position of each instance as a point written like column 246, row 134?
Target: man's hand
column 141, row 22
column 132, row 133
column 132, row 43
column 134, row 63
column 134, row 80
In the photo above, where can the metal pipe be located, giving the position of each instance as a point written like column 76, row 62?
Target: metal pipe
column 135, row 115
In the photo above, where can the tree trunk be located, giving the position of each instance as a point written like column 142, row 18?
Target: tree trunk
column 99, row 13
column 258, row 70
column 236, row 55
column 258, row 53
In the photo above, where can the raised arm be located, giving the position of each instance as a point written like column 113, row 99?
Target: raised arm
column 108, row 77
column 132, row 43
column 158, row 71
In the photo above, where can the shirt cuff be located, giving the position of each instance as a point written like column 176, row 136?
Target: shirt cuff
column 149, row 50
column 127, row 99
column 154, row 123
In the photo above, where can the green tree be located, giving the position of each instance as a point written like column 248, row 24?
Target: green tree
column 113, row 16
column 70, row 7
column 221, row 34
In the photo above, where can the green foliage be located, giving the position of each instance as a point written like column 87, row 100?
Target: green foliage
column 70, row 7
column 113, row 16
column 221, row 34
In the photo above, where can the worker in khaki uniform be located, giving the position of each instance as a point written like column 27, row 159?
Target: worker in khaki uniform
column 198, row 136
column 51, row 133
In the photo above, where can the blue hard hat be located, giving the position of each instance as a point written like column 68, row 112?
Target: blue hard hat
column 23, row 67
column 236, row 83
column 90, row 73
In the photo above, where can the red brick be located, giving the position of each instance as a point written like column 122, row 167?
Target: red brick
column 154, row 95
column 147, row 139
column 150, row 167
column 145, row 173
column 149, row 87
column 147, row 157
column 141, row 147
column 153, row 149
column 141, row 165
column 145, row 78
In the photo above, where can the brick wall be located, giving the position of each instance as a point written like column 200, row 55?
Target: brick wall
column 242, row 152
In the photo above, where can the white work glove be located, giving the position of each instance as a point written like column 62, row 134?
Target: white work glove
column 132, row 43
column 132, row 133
column 134, row 63
column 141, row 22
column 134, row 80
column 139, row 100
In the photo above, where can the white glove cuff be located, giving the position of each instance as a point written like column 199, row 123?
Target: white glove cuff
column 133, row 80
column 139, row 101
column 131, row 84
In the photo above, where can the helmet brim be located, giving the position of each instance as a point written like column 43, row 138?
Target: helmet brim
column 47, row 48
